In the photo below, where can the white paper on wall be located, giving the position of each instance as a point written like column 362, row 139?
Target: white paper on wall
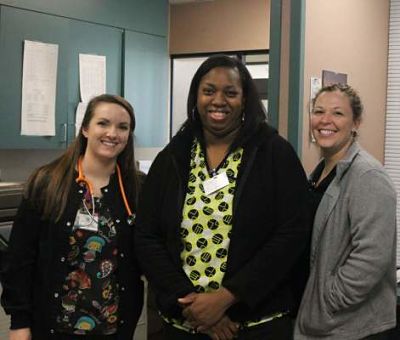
column 39, row 84
column 79, row 114
column 92, row 76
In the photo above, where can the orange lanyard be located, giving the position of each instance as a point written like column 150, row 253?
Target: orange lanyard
column 82, row 179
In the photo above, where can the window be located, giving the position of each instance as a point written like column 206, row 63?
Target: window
column 392, row 131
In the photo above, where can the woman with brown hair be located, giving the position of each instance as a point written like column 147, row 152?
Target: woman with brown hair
column 71, row 272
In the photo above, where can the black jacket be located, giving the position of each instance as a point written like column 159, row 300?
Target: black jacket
column 36, row 265
column 270, row 230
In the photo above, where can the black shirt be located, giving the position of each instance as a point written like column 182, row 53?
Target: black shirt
column 317, row 191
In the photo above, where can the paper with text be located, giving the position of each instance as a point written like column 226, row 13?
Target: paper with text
column 39, row 84
column 92, row 76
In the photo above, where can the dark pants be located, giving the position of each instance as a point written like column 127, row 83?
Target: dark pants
column 379, row 336
column 278, row 329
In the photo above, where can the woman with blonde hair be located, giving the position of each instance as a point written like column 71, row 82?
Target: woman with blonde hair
column 351, row 291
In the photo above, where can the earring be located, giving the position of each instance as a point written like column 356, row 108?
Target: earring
column 243, row 117
column 194, row 113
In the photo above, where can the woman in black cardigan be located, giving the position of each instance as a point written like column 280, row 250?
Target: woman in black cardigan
column 71, row 272
column 222, row 221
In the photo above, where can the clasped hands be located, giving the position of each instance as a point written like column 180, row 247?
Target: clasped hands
column 205, row 312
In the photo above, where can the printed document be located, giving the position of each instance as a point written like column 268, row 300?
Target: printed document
column 39, row 83
column 92, row 76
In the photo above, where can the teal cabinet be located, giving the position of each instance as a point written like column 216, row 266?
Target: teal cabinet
column 146, row 86
column 73, row 37
column 95, row 39
column 150, row 16
column 15, row 27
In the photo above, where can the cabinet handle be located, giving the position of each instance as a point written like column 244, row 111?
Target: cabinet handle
column 64, row 133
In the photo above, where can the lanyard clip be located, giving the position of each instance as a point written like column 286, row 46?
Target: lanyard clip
column 131, row 219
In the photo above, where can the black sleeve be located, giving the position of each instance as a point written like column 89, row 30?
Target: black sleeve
column 275, row 260
column 19, row 266
column 153, row 242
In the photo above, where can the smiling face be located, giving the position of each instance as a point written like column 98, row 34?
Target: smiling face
column 220, row 102
column 108, row 131
column 332, row 122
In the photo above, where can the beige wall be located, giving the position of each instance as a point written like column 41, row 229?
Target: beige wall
column 219, row 26
column 349, row 37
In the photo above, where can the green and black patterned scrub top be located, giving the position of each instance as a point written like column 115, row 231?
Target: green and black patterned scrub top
column 90, row 290
column 206, row 228
column 207, row 223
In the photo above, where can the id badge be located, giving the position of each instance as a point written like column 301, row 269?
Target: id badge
column 215, row 183
column 86, row 221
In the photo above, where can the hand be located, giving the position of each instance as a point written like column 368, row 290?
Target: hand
column 20, row 334
column 203, row 310
column 224, row 329
column 187, row 300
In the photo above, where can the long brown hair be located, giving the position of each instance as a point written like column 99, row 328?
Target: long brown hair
column 50, row 185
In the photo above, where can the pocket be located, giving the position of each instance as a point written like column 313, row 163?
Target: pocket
column 315, row 317
column 326, row 294
column 338, row 315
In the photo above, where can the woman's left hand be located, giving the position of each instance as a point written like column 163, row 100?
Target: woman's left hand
column 203, row 310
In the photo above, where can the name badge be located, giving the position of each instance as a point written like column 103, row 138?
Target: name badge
column 215, row 183
column 86, row 222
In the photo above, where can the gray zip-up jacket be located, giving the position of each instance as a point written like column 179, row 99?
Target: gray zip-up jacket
column 351, row 291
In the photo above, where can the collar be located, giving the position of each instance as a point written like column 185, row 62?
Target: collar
column 182, row 141
column 344, row 164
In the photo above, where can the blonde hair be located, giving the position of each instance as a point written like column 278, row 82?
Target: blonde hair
column 354, row 98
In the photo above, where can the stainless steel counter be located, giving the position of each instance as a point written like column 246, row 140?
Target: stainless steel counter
column 10, row 197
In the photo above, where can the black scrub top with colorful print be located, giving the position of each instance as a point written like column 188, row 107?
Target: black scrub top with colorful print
column 90, row 290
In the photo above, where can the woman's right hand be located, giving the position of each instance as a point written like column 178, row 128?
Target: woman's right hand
column 224, row 329
column 203, row 310
column 20, row 334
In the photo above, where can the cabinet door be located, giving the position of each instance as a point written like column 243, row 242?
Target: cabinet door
column 146, row 86
column 73, row 37
column 16, row 26
column 95, row 39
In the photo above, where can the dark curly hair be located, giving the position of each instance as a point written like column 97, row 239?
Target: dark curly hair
column 253, row 107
